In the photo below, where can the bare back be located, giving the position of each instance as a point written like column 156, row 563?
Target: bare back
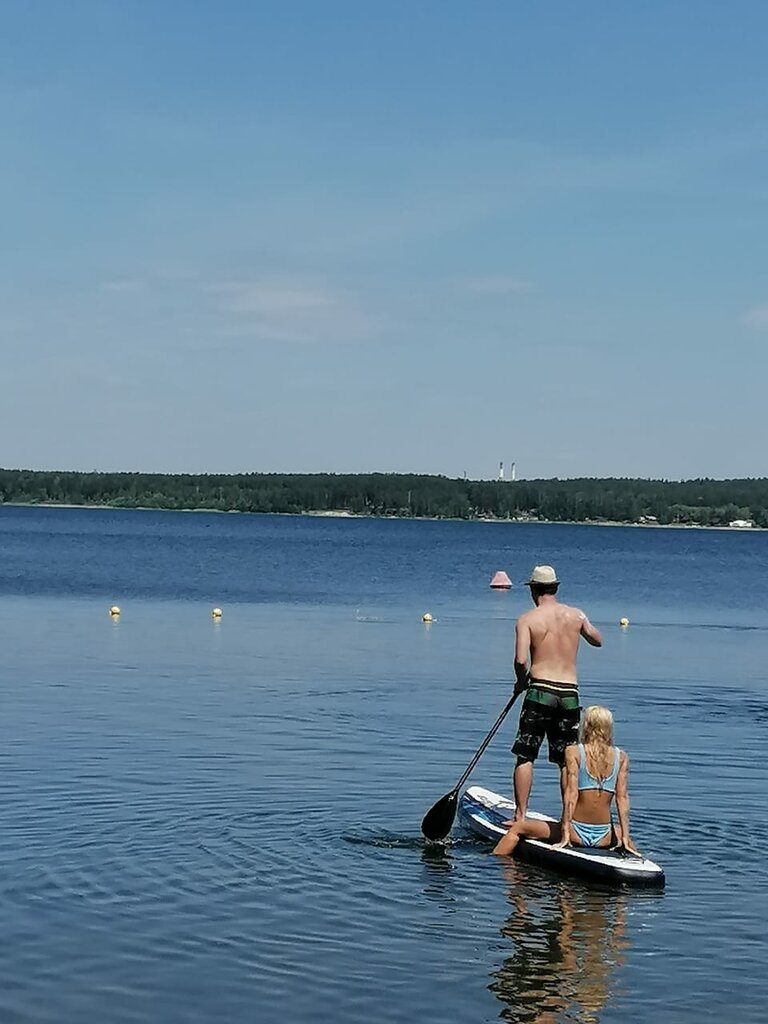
column 550, row 634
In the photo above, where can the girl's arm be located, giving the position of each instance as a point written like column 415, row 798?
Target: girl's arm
column 571, row 793
column 622, row 803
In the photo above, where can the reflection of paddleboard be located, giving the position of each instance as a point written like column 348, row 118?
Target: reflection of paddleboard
column 485, row 813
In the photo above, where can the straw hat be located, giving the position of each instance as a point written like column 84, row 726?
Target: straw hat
column 544, row 574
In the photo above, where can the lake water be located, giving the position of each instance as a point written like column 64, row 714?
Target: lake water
column 220, row 820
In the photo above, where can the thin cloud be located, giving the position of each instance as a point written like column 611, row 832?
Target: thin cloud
column 125, row 284
column 11, row 326
column 499, row 285
column 266, row 298
column 290, row 311
column 757, row 318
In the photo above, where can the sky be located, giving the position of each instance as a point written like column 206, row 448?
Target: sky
column 399, row 237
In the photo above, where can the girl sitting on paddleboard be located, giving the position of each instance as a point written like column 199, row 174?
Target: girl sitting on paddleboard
column 596, row 771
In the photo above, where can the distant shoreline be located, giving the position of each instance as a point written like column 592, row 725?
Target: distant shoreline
column 344, row 514
column 701, row 503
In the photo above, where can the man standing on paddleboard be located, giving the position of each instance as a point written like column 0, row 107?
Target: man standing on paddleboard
column 549, row 636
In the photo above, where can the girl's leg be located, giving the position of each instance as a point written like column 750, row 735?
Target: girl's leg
column 549, row 831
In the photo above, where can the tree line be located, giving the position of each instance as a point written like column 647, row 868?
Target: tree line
column 692, row 502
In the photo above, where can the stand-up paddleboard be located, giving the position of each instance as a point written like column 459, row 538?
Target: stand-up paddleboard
column 485, row 813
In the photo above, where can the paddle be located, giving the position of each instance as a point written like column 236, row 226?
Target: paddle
column 438, row 820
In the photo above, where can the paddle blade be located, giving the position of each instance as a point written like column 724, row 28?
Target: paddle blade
column 439, row 818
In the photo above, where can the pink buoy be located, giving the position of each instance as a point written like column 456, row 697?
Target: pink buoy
column 501, row 581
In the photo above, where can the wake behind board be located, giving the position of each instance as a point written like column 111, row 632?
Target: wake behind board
column 485, row 813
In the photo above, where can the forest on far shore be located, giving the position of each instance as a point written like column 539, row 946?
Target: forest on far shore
column 688, row 502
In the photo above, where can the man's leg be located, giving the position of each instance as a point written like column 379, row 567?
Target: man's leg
column 523, row 780
column 530, row 733
column 562, row 733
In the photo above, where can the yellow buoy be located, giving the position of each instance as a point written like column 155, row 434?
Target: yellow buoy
column 426, row 617
column 624, row 621
column 114, row 611
column 216, row 613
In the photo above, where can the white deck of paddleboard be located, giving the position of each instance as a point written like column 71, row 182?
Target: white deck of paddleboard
column 495, row 802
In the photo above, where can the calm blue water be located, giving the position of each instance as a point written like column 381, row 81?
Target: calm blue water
column 220, row 821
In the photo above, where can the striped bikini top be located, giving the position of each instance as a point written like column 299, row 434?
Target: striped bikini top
column 587, row 781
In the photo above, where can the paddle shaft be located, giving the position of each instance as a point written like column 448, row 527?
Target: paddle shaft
column 481, row 750
column 437, row 822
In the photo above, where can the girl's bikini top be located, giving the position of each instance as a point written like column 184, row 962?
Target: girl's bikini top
column 587, row 781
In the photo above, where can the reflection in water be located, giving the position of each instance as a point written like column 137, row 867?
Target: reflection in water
column 438, row 868
column 567, row 943
column 437, row 857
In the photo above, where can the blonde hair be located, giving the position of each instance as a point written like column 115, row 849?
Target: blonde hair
column 597, row 725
